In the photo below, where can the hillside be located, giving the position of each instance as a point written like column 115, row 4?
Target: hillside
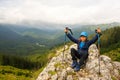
column 110, row 43
column 20, row 40
column 5, row 34
column 110, row 36
column 13, row 43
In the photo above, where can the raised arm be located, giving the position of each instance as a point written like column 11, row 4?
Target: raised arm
column 93, row 40
column 72, row 38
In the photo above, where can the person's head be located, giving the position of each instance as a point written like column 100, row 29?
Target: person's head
column 83, row 36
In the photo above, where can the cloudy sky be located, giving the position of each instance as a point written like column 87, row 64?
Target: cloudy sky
column 60, row 11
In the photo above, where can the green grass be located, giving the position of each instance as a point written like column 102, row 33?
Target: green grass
column 12, row 73
column 114, row 54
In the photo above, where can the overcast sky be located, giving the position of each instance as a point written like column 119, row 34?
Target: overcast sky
column 60, row 11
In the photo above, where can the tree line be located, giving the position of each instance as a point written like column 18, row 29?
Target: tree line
column 21, row 62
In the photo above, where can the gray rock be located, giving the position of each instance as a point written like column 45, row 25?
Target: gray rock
column 63, row 75
column 116, row 65
column 43, row 76
column 54, row 77
column 69, row 77
column 84, row 78
column 69, row 70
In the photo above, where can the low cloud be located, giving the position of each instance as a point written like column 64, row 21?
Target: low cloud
column 59, row 11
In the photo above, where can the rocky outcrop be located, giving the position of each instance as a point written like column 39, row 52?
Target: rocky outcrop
column 59, row 68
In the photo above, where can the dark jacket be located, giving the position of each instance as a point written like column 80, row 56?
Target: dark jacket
column 87, row 43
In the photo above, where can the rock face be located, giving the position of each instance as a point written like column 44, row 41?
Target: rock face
column 59, row 68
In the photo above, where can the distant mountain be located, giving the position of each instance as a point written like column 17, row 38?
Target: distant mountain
column 91, row 28
column 37, row 33
column 5, row 34
column 19, row 39
column 53, row 31
column 8, row 34
column 14, row 43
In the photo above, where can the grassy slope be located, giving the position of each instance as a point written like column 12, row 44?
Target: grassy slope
column 12, row 73
column 114, row 54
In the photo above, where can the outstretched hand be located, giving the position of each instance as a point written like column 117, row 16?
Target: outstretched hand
column 66, row 30
column 98, row 30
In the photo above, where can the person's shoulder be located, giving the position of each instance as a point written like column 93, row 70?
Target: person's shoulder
column 87, row 40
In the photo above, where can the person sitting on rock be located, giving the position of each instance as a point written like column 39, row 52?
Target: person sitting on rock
column 82, row 48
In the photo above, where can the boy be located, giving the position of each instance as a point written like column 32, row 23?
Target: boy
column 82, row 48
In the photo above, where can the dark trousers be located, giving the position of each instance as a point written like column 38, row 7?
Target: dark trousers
column 82, row 55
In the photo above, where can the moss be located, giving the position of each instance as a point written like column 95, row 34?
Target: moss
column 52, row 72
column 119, row 72
column 58, row 65
column 75, row 78
column 91, row 51
column 113, row 78
column 71, row 73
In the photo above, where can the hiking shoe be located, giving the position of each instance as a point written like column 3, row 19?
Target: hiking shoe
column 74, row 63
column 77, row 68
